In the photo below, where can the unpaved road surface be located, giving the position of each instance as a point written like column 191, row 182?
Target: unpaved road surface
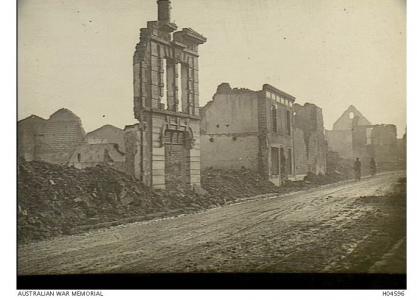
column 325, row 229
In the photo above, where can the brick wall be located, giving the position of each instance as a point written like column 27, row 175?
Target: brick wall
column 60, row 136
column 52, row 140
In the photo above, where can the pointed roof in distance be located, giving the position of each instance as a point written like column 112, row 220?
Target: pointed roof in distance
column 350, row 117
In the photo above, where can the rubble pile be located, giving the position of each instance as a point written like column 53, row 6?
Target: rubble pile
column 232, row 184
column 52, row 199
column 55, row 199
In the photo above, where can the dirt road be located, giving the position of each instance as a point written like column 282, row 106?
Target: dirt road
column 326, row 229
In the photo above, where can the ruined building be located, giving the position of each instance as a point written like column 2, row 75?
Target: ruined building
column 90, row 155
column 252, row 129
column 340, row 138
column 52, row 140
column 103, row 146
column 310, row 146
column 354, row 136
column 107, row 134
column 163, row 148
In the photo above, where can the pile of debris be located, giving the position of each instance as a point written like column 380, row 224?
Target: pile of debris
column 233, row 184
column 55, row 200
column 52, row 199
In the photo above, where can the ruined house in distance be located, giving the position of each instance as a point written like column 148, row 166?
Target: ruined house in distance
column 107, row 134
column 354, row 136
column 340, row 138
column 252, row 129
column 52, row 140
column 163, row 149
column 310, row 145
column 90, row 155
column 61, row 139
column 103, row 146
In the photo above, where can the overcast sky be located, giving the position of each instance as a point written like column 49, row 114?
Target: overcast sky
column 78, row 54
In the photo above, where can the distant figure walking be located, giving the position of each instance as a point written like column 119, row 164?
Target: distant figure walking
column 357, row 169
column 372, row 166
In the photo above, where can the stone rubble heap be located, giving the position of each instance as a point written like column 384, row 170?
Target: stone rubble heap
column 55, row 200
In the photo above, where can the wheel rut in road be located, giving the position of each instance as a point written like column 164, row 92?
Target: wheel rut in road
column 313, row 230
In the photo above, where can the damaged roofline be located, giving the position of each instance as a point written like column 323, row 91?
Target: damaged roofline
column 269, row 87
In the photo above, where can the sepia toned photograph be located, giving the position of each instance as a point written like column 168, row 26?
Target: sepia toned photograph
column 231, row 144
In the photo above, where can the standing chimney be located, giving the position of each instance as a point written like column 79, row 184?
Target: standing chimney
column 164, row 10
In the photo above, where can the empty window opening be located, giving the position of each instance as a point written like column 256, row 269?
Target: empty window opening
column 288, row 123
column 351, row 115
column 79, row 157
column 211, row 140
column 274, row 119
column 164, row 90
column 180, row 86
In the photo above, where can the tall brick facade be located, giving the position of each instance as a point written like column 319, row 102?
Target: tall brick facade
column 165, row 145
column 252, row 129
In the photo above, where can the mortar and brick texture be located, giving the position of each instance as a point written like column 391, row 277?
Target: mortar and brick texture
column 53, row 140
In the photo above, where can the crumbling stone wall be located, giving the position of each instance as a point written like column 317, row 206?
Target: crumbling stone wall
column 300, row 153
column 91, row 155
column 60, row 136
column 361, row 139
column 166, row 99
column 229, row 129
column 276, row 126
column 379, row 142
column 28, row 131
column 52, row 140
column 238, row 131
column 310, row 143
